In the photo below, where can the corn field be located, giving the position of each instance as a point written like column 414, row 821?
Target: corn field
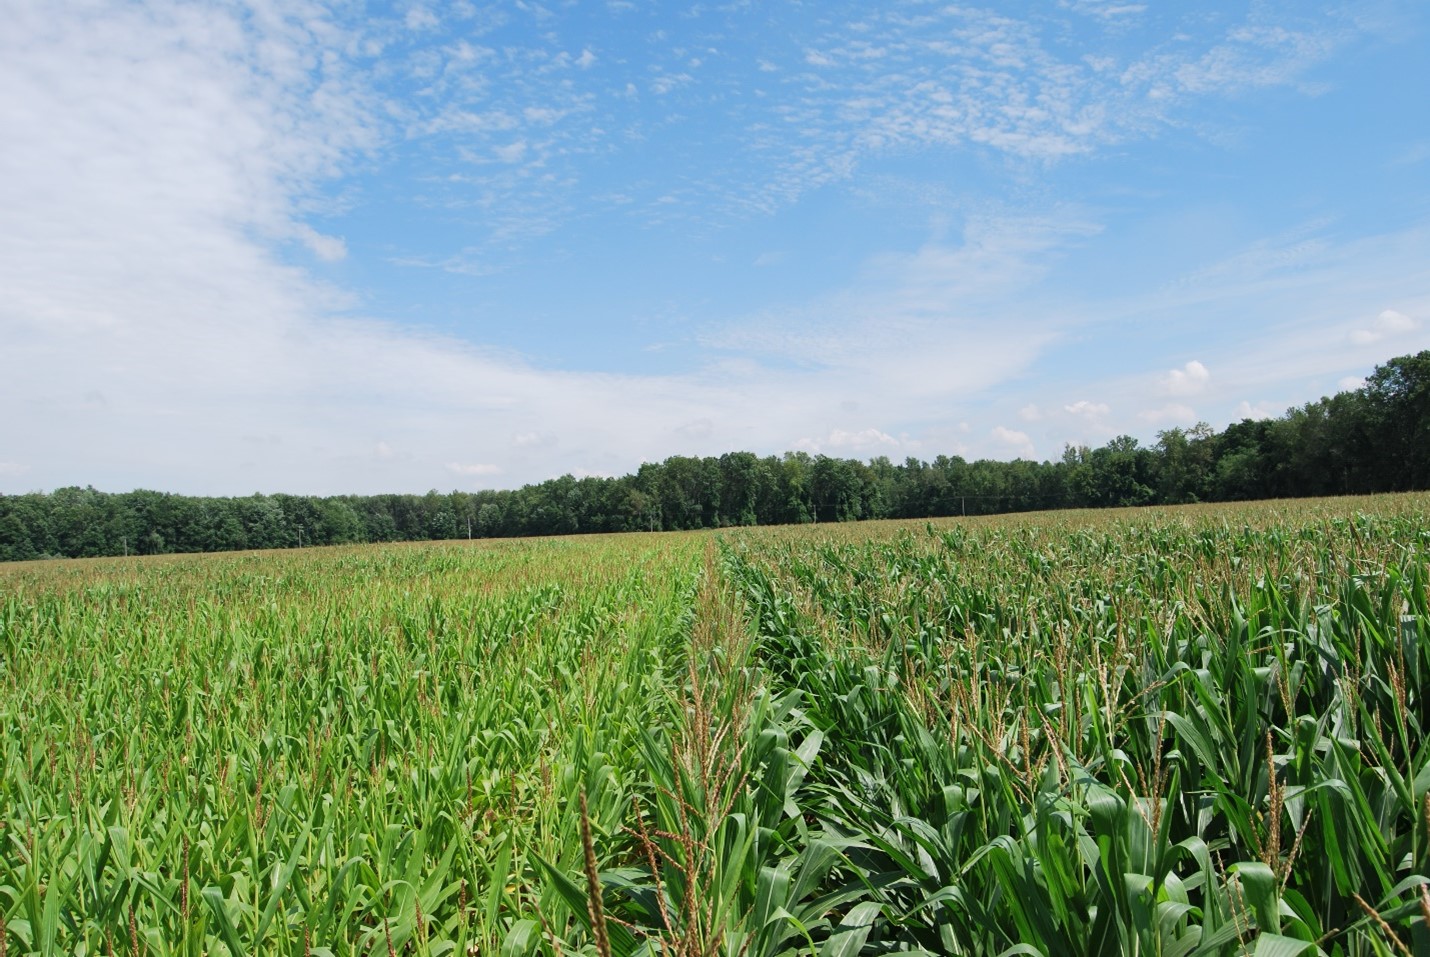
column 1183, row 732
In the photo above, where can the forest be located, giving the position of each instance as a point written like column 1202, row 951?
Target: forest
column 1372, row 439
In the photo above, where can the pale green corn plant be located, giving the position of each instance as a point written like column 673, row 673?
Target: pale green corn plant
column 336, row 752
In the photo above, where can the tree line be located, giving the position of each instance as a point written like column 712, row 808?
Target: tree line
column 1372, row 439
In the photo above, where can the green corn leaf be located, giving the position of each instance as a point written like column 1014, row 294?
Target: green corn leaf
column 213, row 896
column 1274, row 945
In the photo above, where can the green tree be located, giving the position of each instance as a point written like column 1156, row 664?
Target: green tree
column 1185, row 464
column 1398, row 394
column 16, row 543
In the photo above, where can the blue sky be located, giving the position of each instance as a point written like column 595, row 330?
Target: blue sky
column 344, row 247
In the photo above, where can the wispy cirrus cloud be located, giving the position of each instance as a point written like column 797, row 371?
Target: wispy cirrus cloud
column 929, row 308
column 512, row 122
column 1104, row 9
column 902, row 79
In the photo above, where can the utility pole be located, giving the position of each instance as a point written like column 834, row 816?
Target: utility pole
column 469, row 528
column 300, row 536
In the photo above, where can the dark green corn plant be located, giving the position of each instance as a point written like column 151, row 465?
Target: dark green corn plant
column 1181, row 735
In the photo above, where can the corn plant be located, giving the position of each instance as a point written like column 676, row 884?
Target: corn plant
column 341, row 751
column 1184, row 732
column 1191, row 732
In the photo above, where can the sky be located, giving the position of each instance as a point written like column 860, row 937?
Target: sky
column 347, row 247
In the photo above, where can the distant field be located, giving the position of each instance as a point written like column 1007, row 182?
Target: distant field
column 1197, row 730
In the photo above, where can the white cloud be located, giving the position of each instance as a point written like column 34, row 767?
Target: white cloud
column 1298, row 333
column 510, row 153
column 1261, row 410
column 1030, row 413
column 420, row 18
column 1088, row 410
column 1191, row 379
column 586, row 60
column 1351, row 383
column 13, row 468
column 1389, row 324
column 937, row 323
column 1103, row 9
column 533, row 440
column 956, row 76
column 329, row 249
column 1288, row 255
column 1413, row 155
column 1173, row 413
column 1255, row 55
column 474, row 470
column 384, row 451
column 1017, row 441
column 701, row 428
column 839, row 442
column 664, row 83
column 542, row 115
